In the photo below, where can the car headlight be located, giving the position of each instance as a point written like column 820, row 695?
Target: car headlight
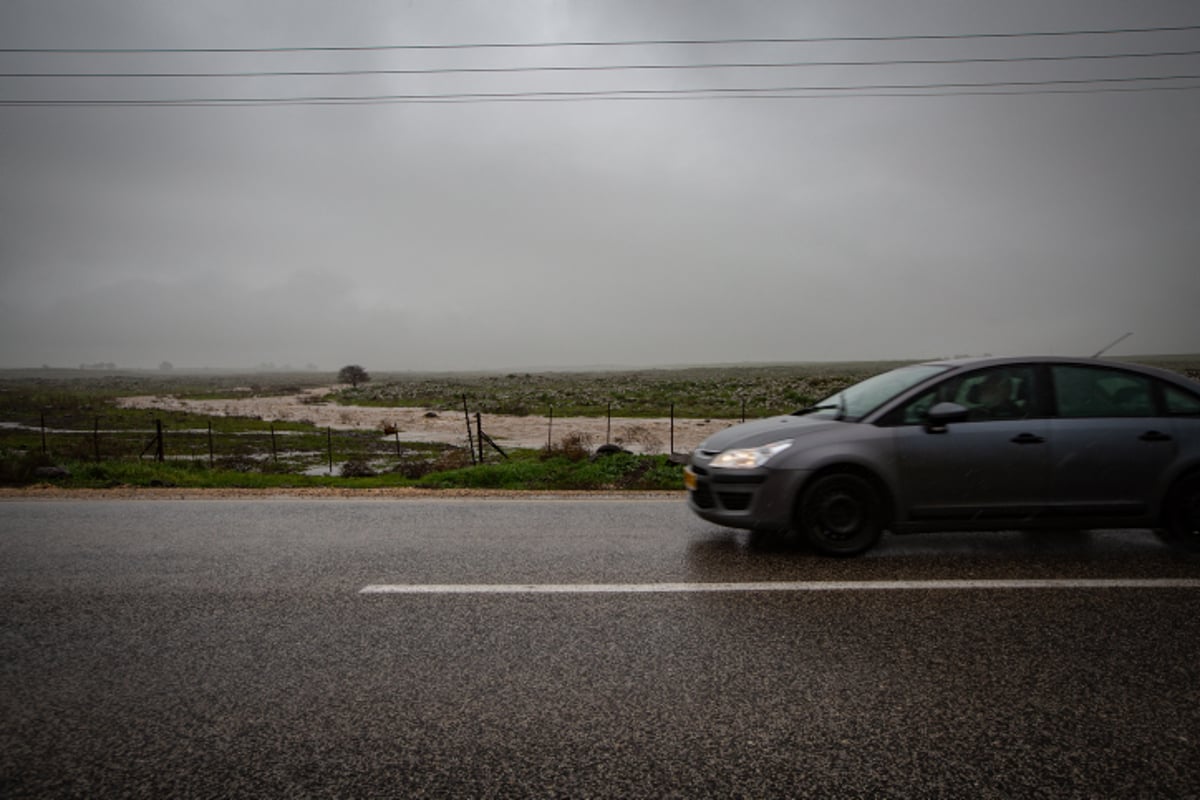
column 750, row 457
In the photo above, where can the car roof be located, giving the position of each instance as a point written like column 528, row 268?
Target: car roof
column 962, row 364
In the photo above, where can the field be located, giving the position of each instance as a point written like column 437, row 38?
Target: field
column 73, row 427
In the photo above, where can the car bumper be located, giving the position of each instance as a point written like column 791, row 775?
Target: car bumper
column 754, row 499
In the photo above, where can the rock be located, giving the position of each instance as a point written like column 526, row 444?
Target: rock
column 609, row 449
column 51, row 472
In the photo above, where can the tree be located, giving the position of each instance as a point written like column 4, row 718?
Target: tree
column 353, row 374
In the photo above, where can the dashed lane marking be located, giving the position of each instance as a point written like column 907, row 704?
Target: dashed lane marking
column 781, row 586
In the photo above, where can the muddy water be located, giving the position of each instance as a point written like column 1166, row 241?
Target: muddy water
column 651, row 435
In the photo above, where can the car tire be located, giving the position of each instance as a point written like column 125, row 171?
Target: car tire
column 1182, row 515
column 840, row 515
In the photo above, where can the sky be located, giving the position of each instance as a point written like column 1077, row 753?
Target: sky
column 533, row 218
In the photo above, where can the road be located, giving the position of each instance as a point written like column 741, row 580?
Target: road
column 207, row 648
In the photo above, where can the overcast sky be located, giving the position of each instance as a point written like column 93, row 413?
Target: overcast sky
column 583, row 230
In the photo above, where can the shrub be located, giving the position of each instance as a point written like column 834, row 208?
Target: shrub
column 18, row 466
column 639, row 436
column 573, row 447
column 456, row 458
column 356, row 468
column 237, row 463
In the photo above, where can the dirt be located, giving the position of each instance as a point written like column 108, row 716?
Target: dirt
column 643, row 435
column 46, row 491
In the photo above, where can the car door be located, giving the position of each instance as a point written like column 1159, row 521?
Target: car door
column 993, row 465
column 1109, row 445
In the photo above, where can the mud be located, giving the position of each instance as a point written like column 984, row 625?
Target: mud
column 642, row 435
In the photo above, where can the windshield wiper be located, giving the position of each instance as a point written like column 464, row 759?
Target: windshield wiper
column 810, row 409
column 839, row 406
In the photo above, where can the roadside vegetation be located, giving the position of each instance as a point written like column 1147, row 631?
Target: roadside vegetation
column 524, row 470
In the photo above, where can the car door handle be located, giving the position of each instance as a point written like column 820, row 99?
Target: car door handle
column 1154, row 436
column 1027, row 438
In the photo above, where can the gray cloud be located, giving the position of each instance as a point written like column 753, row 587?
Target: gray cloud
column 570, row 234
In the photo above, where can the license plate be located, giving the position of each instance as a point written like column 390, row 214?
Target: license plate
column 689, row 479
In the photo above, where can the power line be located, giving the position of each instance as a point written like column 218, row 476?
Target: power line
column 623, row 43
column 1074, row 86
column 610, row 67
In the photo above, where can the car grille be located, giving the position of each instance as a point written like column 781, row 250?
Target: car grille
column 728, row 491
column 727, row 498
column 735, row 501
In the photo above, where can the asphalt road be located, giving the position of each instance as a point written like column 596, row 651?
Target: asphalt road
column 205, row 648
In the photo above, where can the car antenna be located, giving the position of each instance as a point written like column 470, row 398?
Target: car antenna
column 1113, row 344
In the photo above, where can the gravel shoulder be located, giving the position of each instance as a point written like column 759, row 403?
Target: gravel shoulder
column 51, row 492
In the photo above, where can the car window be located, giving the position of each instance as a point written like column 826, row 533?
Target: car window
column 994, row 393
column 1101, row 392
column 858, row 400
column 1180, row 402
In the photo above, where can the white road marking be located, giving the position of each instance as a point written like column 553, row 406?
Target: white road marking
column 781, row 586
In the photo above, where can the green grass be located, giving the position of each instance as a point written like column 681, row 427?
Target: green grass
column 701, row 393
column 528, row 470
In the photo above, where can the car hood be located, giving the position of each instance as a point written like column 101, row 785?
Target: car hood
column 764, row 431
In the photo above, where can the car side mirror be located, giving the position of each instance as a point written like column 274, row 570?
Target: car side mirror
column 944, row 414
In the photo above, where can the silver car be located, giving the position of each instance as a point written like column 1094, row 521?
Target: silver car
column 979, row 444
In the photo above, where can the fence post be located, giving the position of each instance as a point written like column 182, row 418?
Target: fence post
column 479, row 434
column 211, row 453
column 608, row 426
column 43, row 432
column 672, row 428
column 550, row 431
column 274, row 446
column 160, row 452
column 470, row 441
column 329, row 440
column 96, row 439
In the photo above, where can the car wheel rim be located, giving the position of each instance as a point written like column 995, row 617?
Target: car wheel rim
column 840, row 516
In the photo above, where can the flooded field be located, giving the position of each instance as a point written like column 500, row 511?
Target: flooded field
column 643, row 435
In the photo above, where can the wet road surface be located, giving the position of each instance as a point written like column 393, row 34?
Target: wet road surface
column 206, row 648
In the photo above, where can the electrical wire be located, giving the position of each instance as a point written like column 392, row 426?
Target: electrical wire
column 624, row 43
column 1088, row 85
column 1127, row 83
column 610, row 67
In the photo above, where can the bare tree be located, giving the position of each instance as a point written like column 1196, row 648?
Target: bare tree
column 353, row 374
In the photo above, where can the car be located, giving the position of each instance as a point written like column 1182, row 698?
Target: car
column 980, row 444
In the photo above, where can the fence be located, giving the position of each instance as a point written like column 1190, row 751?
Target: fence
column 227, row 444
column 252, row 445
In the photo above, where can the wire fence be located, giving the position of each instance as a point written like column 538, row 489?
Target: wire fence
column 235, row 443
column 227, row 444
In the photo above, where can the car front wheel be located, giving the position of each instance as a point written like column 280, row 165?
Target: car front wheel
column 1183, row 515
column 840, row 515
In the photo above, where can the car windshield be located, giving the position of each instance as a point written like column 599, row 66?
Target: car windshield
column 855, row 402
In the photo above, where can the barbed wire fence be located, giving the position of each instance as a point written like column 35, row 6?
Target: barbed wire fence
column 224, row 442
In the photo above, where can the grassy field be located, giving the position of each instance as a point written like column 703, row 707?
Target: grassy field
column 698, row 392
column 70, row 419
